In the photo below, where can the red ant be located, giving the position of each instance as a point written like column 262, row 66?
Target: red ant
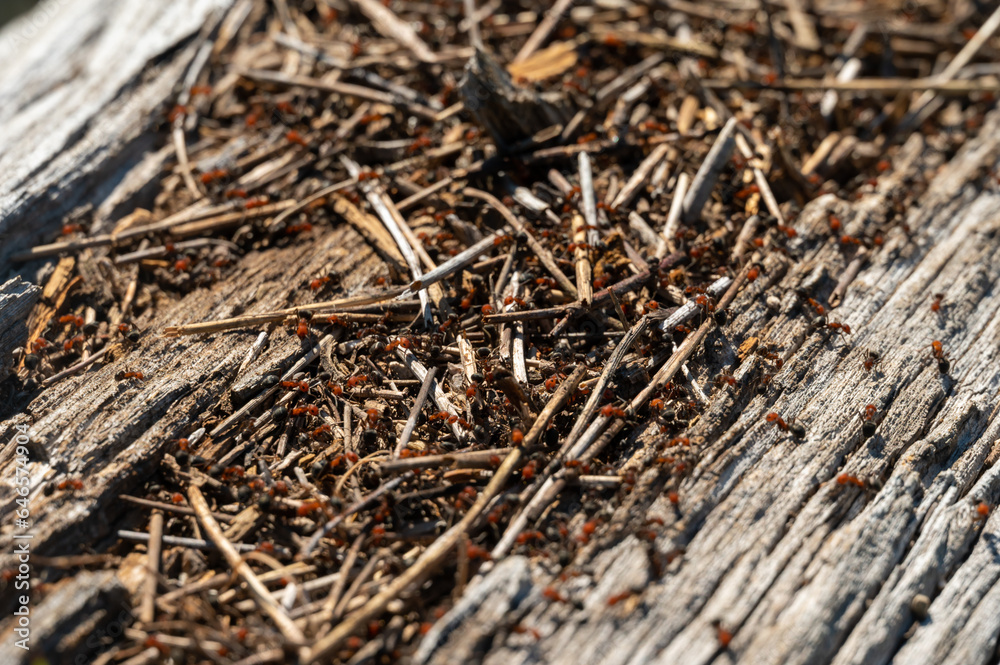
column 70, row 318
column 73, row 341
column 868, row 427
column 311, row 410
column 847, row 479
column 421, row 142
column 936, row 305
column 294, row 137
column 842, row 328
column 121, row 376
column 298, row 228
column 73, row 484
column 303, row 328
column 611, row 411
column 356, row 381
column 777, row 420
column 301, row 385
column 318, row 283
column 210, row 176
column 938, row 351
column 871, row 359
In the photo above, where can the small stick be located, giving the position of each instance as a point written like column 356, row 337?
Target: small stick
column 743, row 239
column 359, row 91
column 584, row 278
column 386, row 22
column 646, row 232
column 147, row 608
column 852, row 270
column 543, row 30
column 193, row 543
column 589, row 198
column 517, row 347
column 475, row 36
column 542, row 253
column 760, row 179
column 256, row 588
column 454, row 264
column 641, row 176
column 416, row 198
column 275, row 316
column 418, row 404
column 708, row 173
column 629, row 76
column 146, row 657
column 254, row 351
column 476, row 459
column 306, row 202
column 167, row 225
column 395, row 228
column 690, row 309
column 437, row 392
column 674, row 215
column 169, row 507
column 69, row 371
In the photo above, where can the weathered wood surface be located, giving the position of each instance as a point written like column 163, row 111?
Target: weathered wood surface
column 17, row 297
column 799, row 568
column 83, row 83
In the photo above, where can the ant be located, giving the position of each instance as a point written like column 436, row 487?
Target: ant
column 121, row 376
column 871, row 359
column 847, row 479
column 868, row 428
column 318, row 283
column 303, row 327
column 611, row 411
column 942, row 361
column 294, row 137
column 794, row 428
column 936, row 305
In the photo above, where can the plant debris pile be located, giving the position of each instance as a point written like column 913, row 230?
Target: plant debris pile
column 565, row 204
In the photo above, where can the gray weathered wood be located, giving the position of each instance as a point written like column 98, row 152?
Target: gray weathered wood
column 17, row 297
